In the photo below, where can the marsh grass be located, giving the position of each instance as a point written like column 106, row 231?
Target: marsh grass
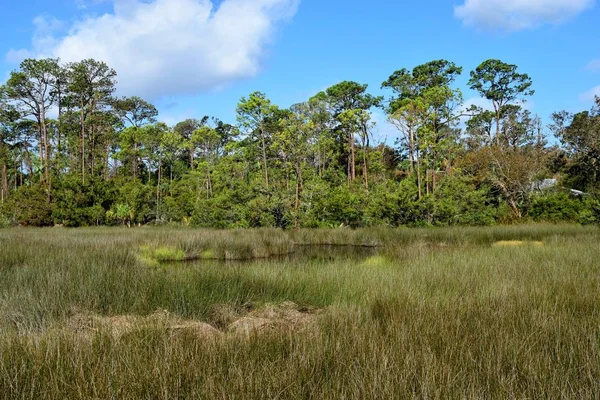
column 434, row 314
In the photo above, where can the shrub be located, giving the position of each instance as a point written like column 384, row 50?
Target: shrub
column 556, row 207
column 29, row 205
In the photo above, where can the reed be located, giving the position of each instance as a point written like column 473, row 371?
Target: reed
column 436, row 313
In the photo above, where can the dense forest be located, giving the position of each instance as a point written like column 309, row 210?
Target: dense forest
column 72, row 153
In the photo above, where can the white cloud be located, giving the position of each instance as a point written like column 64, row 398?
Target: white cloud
column 170, row 47
column 384, row 131
column 488, row 105
column 515, row 15
column 84, row 4
column 16, row 56
column 590, row 94
column 593, row 65
column 478, row 102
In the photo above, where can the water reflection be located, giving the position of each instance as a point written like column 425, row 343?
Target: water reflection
column 304, row 255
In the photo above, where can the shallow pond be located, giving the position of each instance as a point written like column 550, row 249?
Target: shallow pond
column 302, row 255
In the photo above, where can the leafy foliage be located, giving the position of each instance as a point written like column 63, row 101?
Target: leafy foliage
column 107, row 160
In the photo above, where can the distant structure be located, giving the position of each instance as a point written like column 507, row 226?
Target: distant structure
column 545, row 184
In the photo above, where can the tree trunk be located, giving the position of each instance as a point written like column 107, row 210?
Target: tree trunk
column 352, row 162
column 106, row 160
column 264, row 155
column 41, row 147
column 497, row 110
column 59, row 117
column 319, row 159
column 92, row 152
column 513, row 206
column 46, row 153
column 433, row 172
column 158, row 190
column 419, row 183
column 134, row 161
column 209, row 181
column 298, row 189
column 365, row 168
column 4, row 181
column 82, row 127
column 411, row 148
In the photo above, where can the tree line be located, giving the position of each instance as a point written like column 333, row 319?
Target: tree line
column 72, row 153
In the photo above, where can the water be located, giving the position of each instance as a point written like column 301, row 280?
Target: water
column 302, row 255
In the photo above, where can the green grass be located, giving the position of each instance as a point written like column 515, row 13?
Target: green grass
column 435, row 313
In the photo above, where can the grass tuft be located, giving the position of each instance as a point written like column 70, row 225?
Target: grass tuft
column 428, row 313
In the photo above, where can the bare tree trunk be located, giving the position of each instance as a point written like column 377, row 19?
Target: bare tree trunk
column 158, row 189
column 433, row 173
column 411, row 148
column 352, row 162
column 365, row 171
column 28, row 163
column 92, row 152
column 419, row 184
column 513, row 206
column 46, row 162
column 297, row 200
column 209, row 181
column 497, row 110
column 106, row 159
column 134, row 162
column 299, row 186
column 319, row 159
column 264, row 155
column 4, row 181
column 41, row 148
column 59, row 116
column 82, row 123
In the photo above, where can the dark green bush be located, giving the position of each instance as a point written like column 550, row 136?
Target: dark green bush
column 562, row 206
column 29, row 205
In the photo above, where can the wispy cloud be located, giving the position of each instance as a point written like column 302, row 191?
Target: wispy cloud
column 590, row 94
column 516, row 15
column 593, row 65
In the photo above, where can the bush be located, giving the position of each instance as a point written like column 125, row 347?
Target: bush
column 590, row 214
column 29, row 205
column 560, row 206
column 339, row 205
column 81, row 204
column 5, row 220
column 458, row 202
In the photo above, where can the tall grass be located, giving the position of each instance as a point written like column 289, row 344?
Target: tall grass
column 436, row 314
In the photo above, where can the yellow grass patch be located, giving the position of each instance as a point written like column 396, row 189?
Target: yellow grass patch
column 517, row 243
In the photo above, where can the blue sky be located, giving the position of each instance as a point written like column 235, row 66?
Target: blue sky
column 193, row 60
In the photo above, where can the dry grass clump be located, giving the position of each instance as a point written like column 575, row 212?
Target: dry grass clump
column 87, row 325
column 283, row 317
column 286, row 316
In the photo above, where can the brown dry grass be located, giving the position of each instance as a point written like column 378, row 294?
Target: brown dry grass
column 286, row 316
